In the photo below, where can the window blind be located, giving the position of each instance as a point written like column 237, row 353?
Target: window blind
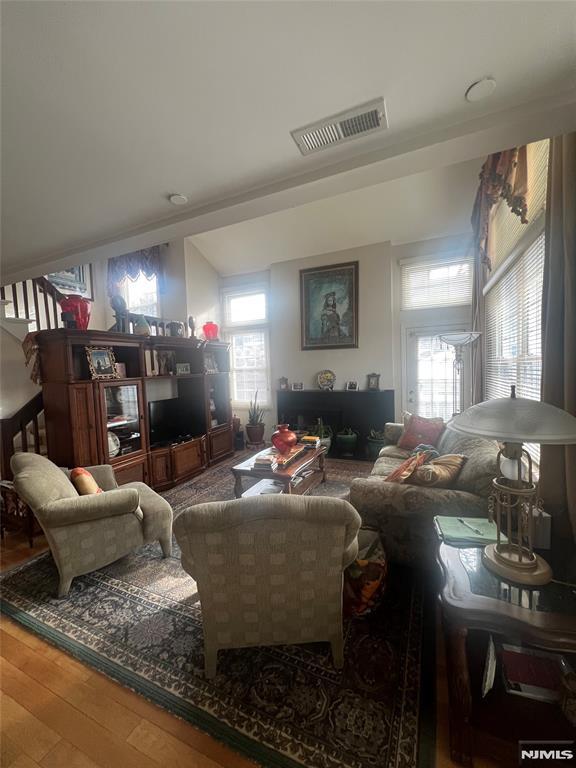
column 506, row 229
column 513, row 329
column 439, row 283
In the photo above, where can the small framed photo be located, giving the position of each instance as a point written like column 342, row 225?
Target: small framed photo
column 373, row 381
column 121, row 370
column 351, row 386
column 210, row 364
column 283, row 383
column 297, row 386
column 182, row 368
column 101, row 362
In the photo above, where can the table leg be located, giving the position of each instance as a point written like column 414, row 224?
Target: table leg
column 238, row 486
column 322, row 466
column 30, row 526
column 459, row 694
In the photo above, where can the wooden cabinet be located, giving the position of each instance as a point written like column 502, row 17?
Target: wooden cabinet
column 221, row 443
column 188, row 459
column 106, row 421
column 160, row 468
column 132, row 470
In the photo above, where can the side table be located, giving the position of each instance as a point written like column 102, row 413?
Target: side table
column 473, row 598
column 14, row 508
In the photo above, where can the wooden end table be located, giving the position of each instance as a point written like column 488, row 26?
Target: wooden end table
column 311, row 460
column 473, row 598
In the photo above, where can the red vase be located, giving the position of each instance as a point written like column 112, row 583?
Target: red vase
column 79, row 307
column 210, row 331
column 283, row 439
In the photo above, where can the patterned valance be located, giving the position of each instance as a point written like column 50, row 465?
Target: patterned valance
column 148, row 261
column 503, row 177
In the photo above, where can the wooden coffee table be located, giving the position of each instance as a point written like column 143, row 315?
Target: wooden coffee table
column 312, row 461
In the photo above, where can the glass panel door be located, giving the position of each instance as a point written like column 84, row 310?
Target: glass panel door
column 430, row 389
column 123, row 419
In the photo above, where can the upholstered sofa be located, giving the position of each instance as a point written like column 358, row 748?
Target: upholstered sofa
column 404, row 513
column 85, row 533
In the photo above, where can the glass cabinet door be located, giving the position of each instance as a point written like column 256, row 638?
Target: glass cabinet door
column 123, row 419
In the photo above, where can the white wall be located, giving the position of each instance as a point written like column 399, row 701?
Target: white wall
column 202, row 287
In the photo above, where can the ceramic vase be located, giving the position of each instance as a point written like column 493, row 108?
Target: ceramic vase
column 283, row 439
column 79, row 308
column 210, row 331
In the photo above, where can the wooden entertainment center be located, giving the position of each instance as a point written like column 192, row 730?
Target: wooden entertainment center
column 107, row 420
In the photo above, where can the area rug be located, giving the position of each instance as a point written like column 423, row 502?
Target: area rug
column 139, row 621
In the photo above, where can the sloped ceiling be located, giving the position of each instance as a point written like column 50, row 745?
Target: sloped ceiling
column 110, row 106
column 418, row 207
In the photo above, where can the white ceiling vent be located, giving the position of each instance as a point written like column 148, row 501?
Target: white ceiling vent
column 352, row 124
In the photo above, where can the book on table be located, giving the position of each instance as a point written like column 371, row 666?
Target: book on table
column 467, row 531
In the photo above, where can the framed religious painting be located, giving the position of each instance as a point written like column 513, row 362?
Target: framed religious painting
column 73, row 280
column 329, row 306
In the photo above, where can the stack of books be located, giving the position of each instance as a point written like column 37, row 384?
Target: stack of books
column 310, row 441
column 266, row 462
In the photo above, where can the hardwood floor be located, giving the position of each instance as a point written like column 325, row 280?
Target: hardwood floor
column 58, row 713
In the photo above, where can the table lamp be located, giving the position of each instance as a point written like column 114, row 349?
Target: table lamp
column 513, row 421
column 458, row 340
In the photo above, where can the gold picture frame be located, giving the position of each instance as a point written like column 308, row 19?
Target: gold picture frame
column 101, row 362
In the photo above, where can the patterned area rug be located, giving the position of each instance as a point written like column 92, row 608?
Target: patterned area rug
column 139, row 621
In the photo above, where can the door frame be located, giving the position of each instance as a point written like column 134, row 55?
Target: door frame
column 426, row 329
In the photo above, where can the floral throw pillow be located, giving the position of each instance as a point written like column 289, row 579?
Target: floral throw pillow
column 420, row 430
column 84, row 482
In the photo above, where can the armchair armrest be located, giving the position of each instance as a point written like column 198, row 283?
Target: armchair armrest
column 104, row 476
column 95, row 506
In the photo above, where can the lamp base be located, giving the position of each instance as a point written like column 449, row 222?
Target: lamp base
column 536, row 574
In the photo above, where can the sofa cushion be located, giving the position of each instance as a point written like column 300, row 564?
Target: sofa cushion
column 393, row 452
column 420, row 430
column 480, row 469
column 384, row 465
column 438, row 473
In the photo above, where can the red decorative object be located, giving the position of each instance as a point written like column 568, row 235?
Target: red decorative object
column 210, row 331
column 79, row 307
column 420, row 430
column 283, row 439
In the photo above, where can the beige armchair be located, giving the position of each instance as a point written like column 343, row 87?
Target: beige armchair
column 269, row 570
column 88, row 532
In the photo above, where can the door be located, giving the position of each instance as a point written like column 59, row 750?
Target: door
column 432, row 388
column 124, row 426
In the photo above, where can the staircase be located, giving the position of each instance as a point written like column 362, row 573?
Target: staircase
column 24, row 431
column 30, row 305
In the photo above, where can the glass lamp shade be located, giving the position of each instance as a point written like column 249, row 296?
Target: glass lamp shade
column 460, row 339
column 517, row 420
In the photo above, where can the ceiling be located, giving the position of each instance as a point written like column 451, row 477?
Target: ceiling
column 437, row 203
column 108, row 107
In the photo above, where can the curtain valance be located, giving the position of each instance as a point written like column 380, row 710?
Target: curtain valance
column 504, row 175
column 148, row 261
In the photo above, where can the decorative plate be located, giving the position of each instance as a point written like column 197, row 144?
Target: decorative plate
column 113, row 444
column 326, row 379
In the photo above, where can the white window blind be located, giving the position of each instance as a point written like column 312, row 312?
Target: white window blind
column 513, row 329
column 506, row 229
column 439, row 283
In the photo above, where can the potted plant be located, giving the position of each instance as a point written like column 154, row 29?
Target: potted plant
column 255, row 424
column 346, row 441
column 324, row 432
column 376, row 441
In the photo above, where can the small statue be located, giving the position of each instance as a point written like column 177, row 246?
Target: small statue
column 176, row 328
column 192, row 326
column 118, row 304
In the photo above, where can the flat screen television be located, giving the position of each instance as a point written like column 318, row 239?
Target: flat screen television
column 168, row 421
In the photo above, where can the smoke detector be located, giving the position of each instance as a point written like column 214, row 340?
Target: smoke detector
column 351, row 124
column 178, row 199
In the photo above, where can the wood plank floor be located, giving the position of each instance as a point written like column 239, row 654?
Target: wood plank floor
column 58, row 713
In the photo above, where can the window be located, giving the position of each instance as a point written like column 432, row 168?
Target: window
column 246, row 327
column 141, row 295
column 513, row 328
column 438, row 283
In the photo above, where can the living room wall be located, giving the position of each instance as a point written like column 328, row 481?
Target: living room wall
column 375, row 352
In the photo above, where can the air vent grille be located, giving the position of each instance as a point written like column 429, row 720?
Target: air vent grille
column 351, row 124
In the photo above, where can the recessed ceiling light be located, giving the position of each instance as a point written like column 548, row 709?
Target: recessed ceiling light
column 178, row 199
column 481, row 89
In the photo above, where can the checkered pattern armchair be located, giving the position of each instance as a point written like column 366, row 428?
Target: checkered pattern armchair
column 85, row 533
column 269, row 570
